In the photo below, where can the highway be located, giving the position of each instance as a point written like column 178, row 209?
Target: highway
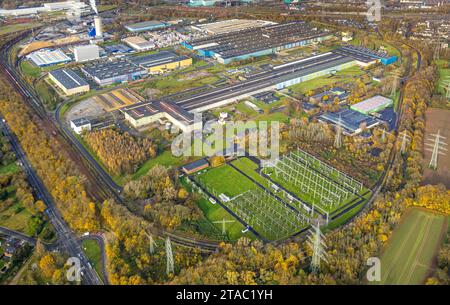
column 66, row 239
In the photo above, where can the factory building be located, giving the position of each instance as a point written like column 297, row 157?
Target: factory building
column 373, row 104
column 74, row 6
column 336, row 63
column 255, row 42
column 146, row 26
column 351, row 121
column 110, row 72
column 366, row 57
column 69, row 82
column 80, row 125
column 45, row 58
column 180, row 111
column 229, row 26
column 198, row 3
column 86, row 53
column 161, row 62
column 139, row 43
column 145, row 113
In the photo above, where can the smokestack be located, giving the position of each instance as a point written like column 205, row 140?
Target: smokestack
column 98, row 26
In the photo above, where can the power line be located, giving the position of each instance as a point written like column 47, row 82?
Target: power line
column 437, row 146
column 315, row 241
column 224, row 222
column 170, row 266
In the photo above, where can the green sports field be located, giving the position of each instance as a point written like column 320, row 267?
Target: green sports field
column 409, row 255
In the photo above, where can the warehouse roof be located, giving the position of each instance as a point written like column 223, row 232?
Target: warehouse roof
column 157, row 59
column 195, row 165
column 145, row 25
column 350, row 120
column 68, row 78
column 252, row 40
column 361, row 53
column 109, row 69
column 373, row 104
column 48, row 57
column 80, row 122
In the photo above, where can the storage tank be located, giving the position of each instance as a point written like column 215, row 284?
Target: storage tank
column 98, row 26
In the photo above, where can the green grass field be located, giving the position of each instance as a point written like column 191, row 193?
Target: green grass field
column 229, row 181
column 10, row 168
column 225, row 179
column 92, row 251
column 444, row 74
column 15, row 218
column 7, row 29
column 347, row 74
column 410, row 251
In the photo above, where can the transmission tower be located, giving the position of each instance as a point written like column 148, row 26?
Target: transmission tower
column 383, row 135
column 446, row 87
column 169, row 254
column 151, row 243
column 224, row 222
column 395, row 81
column 315, row 241
column 437, row 49
column 405, row 140
column 338, row 137
column 437, row 146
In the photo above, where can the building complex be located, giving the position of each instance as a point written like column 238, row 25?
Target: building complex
column 275, row 78
column 254, row 42
column 68, row 81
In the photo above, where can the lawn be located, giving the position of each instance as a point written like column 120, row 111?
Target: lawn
column 225, row 179
column 343, row 75
column 12, row 28
column 275, row 222
column 15, row 218
column 166, row 158
column 409, row 255
column 47, row 93
column 29, row 69
column 444, row 74
column 10, row 168
column 92, row 251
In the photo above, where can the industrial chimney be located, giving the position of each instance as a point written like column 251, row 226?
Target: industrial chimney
column 98, row 26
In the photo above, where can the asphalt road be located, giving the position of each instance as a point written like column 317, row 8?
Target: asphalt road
column 66, row 239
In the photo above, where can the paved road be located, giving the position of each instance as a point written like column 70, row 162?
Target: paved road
column 18, row 235
column 66, row 239
column 101, row 243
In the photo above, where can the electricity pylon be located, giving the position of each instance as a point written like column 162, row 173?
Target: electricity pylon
column 437, row 49
column 446, row 87
column 223, row 222
column 395, row 81
column 405, row 139
column 315, row 241
column 169, row 255
column 151, row 243
column 437, row 146
column 338, row 136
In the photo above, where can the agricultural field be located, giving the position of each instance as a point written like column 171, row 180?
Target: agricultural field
column 437, row 120
column 408, row 257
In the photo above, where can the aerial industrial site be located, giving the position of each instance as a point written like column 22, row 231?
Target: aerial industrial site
column 224, row 143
